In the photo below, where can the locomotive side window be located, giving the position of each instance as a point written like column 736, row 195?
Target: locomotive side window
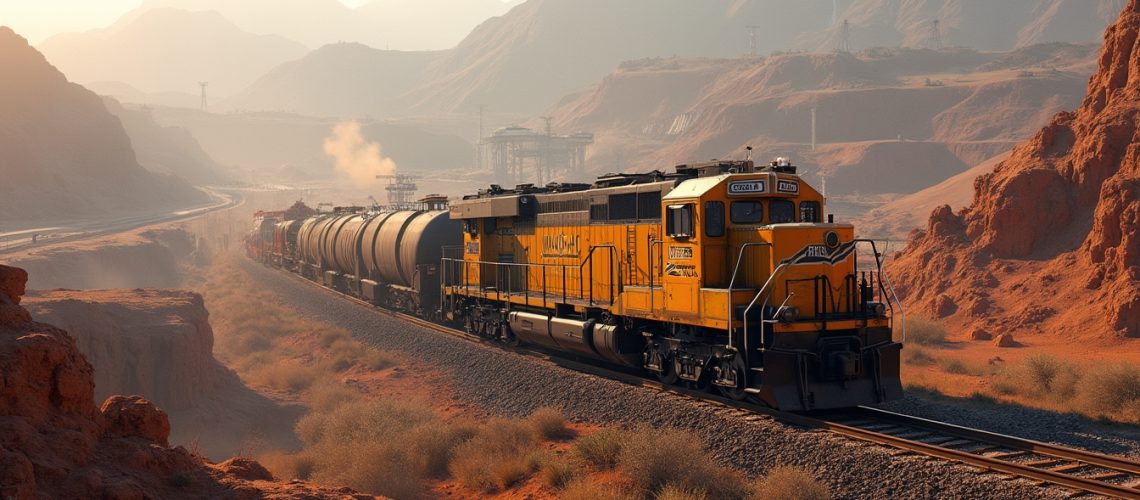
column 490, row 225
column 781, row 211
column 747, row 212
column 714, row 219
column 623, row 206
column 680, row 221
column 809, row 211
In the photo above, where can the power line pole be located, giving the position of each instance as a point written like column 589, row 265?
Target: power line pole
column 813, row 109
column 479, row 142
column 753, row 40
column 936, row 36
column 845, row 37
column 205, row 103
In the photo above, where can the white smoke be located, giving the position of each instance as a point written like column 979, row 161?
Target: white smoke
column 356, row 158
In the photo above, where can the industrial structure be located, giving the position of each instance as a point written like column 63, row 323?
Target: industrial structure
column 520, row 155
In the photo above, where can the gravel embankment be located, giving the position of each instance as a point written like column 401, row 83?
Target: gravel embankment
column 511, row 384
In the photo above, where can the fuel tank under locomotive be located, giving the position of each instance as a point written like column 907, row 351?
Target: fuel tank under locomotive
column 583, row 338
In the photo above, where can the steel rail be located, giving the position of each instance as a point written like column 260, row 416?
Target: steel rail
column 833, row 421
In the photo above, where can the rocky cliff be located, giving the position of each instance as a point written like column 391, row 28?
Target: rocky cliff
column 1051, row 242
column 56, row 443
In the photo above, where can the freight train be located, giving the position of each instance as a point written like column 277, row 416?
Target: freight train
column 721, row 275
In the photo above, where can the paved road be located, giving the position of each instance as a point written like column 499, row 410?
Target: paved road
column 25, row 239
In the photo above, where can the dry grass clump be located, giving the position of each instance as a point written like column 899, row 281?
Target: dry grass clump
column 326, row 395
column 549, row 424
column 495, row 458
column 1040, row 376
column 790, row 483
column 655, row 458
column 556, row 471
column 674, row 492
column 924, row 331
column 1111, row 390
column 600, row 449
column 284, row 376
column 585, row 489
column 914, row 355
column 289, row 466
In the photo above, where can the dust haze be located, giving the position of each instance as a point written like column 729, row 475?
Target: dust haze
column 357, row 159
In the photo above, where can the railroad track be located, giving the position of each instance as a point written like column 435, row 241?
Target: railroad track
column 1079, row 471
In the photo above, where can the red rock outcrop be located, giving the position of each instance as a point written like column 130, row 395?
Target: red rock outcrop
column 1051, row 242
column 55, row 443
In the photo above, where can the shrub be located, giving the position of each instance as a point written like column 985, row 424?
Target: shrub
column 373, row 466
column 495, row 458
column 790, row 483
column 548, row 423
column 914, row 355
column 326, row 396
column 435, row 445
column 286, row 376
column 924, row 331
column 585, row 489
column 557, row 472
column 289, row 466
column 674, row 492
column 380, row 420
column 600, row 449
column 653, row 458
column 955, row 366
column 1042, row 369
column 1113, row 389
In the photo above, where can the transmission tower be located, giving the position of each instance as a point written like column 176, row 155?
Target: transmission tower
column 753, row 40
column 936, row 36
column 205, row 103
column 844, row 44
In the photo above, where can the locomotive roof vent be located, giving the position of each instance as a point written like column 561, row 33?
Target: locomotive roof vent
column 783, row 165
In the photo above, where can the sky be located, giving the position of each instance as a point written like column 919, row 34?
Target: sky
column 40, row 19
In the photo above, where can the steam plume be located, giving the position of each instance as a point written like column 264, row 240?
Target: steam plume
column 355, row 157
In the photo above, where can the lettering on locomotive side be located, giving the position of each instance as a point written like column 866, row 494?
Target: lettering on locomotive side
column 787, row 187
column 556, row 246
column 748, row 187
column 680, row 253
column 814, row 251
column 684, row 270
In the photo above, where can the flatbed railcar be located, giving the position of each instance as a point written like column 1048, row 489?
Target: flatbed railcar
column 721, row 275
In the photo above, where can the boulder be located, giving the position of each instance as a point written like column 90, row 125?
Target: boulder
column 1005, row 340
column 134, row 416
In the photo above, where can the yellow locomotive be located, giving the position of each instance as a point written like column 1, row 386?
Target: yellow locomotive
column 719, row 274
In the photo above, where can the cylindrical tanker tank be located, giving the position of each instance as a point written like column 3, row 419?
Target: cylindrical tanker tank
column 423, row 241
column 386, row 249
column 328, row 242
column 346, row 246
column 309, row 239
column 370, row 234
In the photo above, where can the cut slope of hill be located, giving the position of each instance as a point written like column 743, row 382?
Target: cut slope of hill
column 1049, row 244
column 63, row 154
column 170, row 50
column 166, row 150
column 889, row 121
column 522, row 61
column 1000, row 26
column 344, row 79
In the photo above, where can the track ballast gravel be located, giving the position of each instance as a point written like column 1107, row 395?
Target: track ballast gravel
column 514, row 385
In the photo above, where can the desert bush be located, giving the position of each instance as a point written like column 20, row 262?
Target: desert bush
column 379, row 420
column 790, row 483
column 599, row 449
column 549, row 423
column 325, row 396
column 674, row 492
column 1111, row 390
column 495, row 457
column 436, row 444
column 556, row 471
column 653, row 458
column 955, row 366
column 285, row 376
column 924, row 331
column 585, row 489
column 373, row 466
column 914, row 355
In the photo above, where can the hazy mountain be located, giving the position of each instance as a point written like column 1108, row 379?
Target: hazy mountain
column 542, row 49
column 166, row 150
column 62, row 154
column 395, row 24
column 170, row 50
column 984, row 25
column 127, row 94
column 344, row 79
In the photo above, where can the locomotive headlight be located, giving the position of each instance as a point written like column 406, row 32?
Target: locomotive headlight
column 878, row 309
column 790, row 314
column 831, row 239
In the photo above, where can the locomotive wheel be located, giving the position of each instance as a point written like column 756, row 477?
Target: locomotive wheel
column 668, row 373
column 737, row 366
